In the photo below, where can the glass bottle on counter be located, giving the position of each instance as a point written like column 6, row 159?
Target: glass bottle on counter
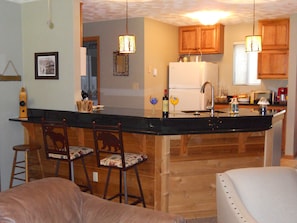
column 165, row 104
column 234, row 105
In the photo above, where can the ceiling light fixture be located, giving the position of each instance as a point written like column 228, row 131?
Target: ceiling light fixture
column 208, row 17
column 127, row 41
column 253, row 43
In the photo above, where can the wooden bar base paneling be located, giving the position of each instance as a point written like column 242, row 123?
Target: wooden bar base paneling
column 178, row 177
column 192, row 184
column 192, row 181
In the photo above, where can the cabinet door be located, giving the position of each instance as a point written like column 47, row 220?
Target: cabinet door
column 211, row 39
column 188, row 40
column 273, row 64
column 201, row 39
column 275, row 34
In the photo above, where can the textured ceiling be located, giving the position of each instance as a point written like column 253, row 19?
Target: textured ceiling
column 173, row 11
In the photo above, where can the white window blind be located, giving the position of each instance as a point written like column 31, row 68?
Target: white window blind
column 245, row 66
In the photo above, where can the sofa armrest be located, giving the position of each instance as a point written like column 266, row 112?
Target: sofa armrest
column 229, row 206
column 47, row 200
column 258, row 194
column 96, row 209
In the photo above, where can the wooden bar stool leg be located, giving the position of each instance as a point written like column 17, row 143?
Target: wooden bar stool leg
column 40, row 164
column 26, row 167
column 13, row 169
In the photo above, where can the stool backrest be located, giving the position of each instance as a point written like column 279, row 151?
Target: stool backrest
column 55, row 139
column 108, row 140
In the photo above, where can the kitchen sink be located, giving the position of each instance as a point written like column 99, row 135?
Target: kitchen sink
column 201, row 111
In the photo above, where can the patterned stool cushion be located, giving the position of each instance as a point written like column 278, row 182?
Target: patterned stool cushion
column 116, row 161
column 75, row 152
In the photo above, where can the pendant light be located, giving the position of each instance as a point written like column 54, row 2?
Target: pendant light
column 253, row 43
column 127, row 41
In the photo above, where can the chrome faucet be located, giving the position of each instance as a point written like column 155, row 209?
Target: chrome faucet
column 212, row 96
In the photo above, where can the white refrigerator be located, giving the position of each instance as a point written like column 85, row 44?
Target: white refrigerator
column 185, row 82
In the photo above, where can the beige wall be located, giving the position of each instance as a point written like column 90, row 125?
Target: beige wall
column 161, row 47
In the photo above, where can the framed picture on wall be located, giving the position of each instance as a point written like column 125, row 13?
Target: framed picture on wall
column 120, row 64
column 47, row 65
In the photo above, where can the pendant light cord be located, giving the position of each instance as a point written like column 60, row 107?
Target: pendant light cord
column 126, row 16
column 254, row 17
column 50, row 20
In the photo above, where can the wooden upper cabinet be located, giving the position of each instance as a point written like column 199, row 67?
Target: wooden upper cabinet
column 188, row 40
column 275, row 34
column 201, row 39
column 273, row 60
column 273, row 64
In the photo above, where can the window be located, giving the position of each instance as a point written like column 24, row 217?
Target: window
column 245, row 66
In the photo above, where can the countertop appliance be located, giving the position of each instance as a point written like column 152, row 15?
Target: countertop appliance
column 282, row 95
column 257, row 95
column 185, row 81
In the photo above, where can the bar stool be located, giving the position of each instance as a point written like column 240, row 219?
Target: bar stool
column 56, row 144
column 22, row 166
column 110, row 153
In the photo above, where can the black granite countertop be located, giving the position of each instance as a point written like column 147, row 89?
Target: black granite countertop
column 252, row 105
column 146, row 122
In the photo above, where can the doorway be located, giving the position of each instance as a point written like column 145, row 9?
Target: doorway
column 91, row 82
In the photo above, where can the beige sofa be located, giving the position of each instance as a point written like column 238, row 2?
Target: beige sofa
column 57, row 200
column 257, row 195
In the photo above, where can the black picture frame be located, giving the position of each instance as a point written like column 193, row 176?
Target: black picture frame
column 47, row 65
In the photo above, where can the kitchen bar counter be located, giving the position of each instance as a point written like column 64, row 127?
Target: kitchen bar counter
column 143, row 121
column 275, row 106
column 242, row 104
column 185, row 150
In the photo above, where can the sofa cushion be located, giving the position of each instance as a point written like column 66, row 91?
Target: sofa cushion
column 269, row 193
column 43, row 201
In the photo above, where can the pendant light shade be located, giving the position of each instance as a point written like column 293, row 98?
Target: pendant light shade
column 127, row 42
column 253, row 43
